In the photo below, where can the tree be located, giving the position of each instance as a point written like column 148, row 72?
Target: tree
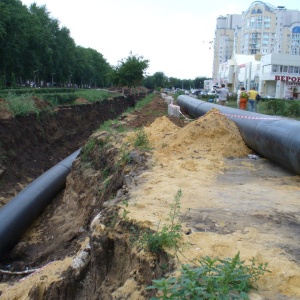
column 130, row 71
column 199, row 82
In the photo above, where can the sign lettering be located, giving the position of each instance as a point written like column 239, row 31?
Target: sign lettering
column 287, row 78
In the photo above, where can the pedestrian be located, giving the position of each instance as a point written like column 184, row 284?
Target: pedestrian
column 252, row 99
column 243, row 98
column 223, row 94
column 238, row 98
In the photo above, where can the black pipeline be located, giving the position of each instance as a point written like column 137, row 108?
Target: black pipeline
column 24, row 208
column 275, row 138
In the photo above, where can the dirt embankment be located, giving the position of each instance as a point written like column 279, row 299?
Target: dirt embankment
column 231, row 203
column 32, row 144
column 94, row 261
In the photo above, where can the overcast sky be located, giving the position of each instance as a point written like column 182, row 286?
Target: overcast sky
column 173, row 35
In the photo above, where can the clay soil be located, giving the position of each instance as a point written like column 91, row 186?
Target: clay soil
column 80, row 245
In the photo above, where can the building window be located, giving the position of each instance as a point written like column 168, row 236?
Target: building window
column 259, row 11
column 275, row 68
column 253, row 12
column 267, row 69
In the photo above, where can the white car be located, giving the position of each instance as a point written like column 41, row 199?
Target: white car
column 212, row 93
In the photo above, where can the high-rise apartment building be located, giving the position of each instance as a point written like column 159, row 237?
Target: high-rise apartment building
column 260, row 30
column 224, row 40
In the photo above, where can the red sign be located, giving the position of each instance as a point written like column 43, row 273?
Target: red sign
column 287, row 78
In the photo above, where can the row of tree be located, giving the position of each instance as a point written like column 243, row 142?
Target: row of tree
column 36, row 51
column 159, row 79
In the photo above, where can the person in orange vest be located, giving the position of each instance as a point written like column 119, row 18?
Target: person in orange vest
column 243, row 99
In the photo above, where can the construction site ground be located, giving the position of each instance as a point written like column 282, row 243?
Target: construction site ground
column 232, row 201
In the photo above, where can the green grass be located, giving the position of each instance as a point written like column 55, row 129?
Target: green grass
column 112, row 125
column 141, row 103
column 21, row 105
column 169, row 235
column 20, row 101
column 93, row 95
column 87, row 149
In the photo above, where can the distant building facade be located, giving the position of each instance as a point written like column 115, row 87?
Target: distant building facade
column 260, row 30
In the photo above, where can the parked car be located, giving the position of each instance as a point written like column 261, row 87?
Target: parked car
column 204, row 93
column 196, row 93
column 269, row 97
column 212, row 93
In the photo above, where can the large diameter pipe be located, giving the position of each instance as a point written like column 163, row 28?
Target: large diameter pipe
column 19, row 213
column 275, row 138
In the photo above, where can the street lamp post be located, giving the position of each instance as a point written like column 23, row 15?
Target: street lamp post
column 70, row 80
column 81, row 81
column 52, row 79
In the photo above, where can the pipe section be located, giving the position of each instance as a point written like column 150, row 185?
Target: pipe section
column 275, row 138
column 24, row 208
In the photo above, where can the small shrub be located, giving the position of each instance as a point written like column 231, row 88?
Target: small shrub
column 141, row 140
column 124, row 155
column 217, row 278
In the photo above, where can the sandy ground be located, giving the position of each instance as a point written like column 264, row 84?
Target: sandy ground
column 234, row 203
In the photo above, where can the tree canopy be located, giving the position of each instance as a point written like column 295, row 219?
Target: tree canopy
column 130, row 71
column 34, row 48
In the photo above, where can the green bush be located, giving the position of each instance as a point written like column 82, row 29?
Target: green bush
column 212, row 279
column 293, row 109
column 276, row 107
column 60, row 98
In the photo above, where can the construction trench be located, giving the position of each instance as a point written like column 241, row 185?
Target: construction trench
column 105, row 260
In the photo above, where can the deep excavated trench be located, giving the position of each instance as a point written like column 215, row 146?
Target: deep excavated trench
column 33, row 144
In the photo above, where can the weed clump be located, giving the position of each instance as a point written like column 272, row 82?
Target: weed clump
column 169, row 235
column 216, row 278
column 141, row 140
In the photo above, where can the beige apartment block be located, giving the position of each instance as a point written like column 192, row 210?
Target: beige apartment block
column 260, row 30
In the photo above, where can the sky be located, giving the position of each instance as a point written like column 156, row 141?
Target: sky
column 174, row 35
